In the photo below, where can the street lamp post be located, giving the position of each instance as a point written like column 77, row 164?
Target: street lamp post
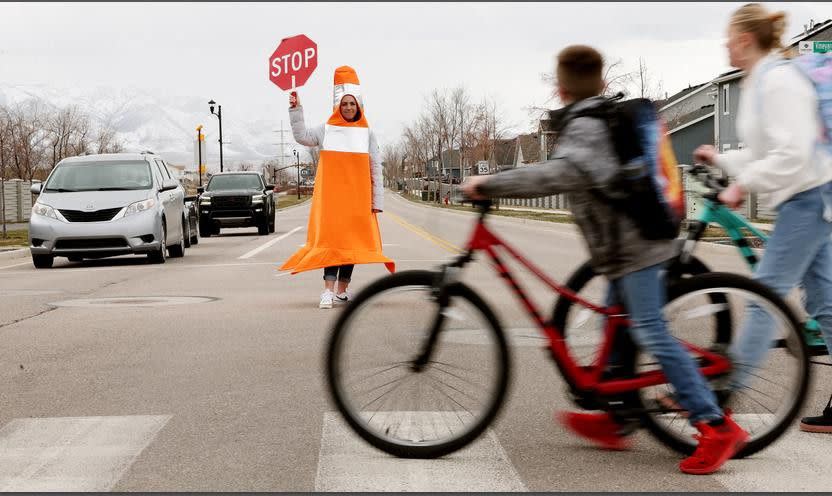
column 297, row 160
column 219, row 116
column 199, row 138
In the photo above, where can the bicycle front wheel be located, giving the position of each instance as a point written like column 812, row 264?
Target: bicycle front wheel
column 774, row 389
column 406, row 410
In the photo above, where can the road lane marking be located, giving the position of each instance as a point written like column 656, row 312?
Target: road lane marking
column 269, row 243
column 133, row 301
column 347, row 463
column 445, row 245
column 72, row 453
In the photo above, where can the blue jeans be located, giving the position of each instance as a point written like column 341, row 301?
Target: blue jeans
column 643, row 293
column 799, row 251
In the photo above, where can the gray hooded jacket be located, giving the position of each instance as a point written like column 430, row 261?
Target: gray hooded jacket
column 585, row 159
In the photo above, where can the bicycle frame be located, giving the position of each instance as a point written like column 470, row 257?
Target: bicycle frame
column 583, row 378
column 733, row 224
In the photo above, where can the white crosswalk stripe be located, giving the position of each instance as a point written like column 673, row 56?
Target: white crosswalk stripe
column 347, row 463
column 72, row 453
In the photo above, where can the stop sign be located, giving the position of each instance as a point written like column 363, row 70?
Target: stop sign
column 293, row 62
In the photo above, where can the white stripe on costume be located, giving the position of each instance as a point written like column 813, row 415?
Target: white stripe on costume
column 346, row 89
column 346, row 139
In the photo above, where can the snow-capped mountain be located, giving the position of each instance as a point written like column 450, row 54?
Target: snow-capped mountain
column 165, row 124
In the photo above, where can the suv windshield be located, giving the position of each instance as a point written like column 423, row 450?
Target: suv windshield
column 100, row 176
column 234, row 181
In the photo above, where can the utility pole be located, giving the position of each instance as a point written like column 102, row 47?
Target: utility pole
column 282, row 144
column 297, row 159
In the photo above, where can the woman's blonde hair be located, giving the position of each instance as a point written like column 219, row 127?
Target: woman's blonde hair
column 766, row 27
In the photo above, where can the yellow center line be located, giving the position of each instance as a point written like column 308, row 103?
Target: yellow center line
column 446, row 245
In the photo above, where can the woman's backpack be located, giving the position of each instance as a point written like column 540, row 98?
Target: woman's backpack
column 817, row 68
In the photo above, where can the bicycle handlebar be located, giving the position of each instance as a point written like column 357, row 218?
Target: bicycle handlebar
column 484, row 206
column 705, row 175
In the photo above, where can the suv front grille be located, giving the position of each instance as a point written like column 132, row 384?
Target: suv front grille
column 96, row 216
column 230, row 201
column 91, row 243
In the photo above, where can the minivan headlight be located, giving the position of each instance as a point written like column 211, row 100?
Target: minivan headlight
column 140, row 206
column 44, row 210
column 205, row 200
column 257, row 198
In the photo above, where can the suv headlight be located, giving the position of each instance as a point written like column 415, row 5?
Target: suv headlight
column 205, row 200
column 140, row 206
column 44, row 210
column 257, row 198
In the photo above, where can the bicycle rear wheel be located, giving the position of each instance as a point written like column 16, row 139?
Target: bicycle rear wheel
column 409, row 412
column 776, row 389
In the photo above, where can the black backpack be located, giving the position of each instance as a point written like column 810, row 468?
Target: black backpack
column 648, row 185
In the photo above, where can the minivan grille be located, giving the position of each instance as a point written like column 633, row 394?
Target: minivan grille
column 230, row 201
column 96, row 216
column 85, row 244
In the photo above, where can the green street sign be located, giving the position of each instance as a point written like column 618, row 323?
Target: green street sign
column 814, row 47
column 822, row 46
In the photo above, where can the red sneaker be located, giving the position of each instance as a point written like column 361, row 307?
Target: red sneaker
column 717, row 444
column 599, row 428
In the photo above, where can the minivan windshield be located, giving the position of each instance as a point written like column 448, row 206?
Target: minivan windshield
column 100, row 176
column 234, row 181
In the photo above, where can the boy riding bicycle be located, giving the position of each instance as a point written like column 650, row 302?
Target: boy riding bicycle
column 584, row 164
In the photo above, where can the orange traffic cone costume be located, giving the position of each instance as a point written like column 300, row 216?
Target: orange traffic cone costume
column 342, row 229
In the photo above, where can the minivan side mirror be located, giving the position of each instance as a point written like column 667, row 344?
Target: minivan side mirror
column 270, row 187
column 168, row 185
column 36, row 188
column 200, row 190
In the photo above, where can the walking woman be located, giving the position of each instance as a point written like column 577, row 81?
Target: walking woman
column 780, row 123
column 343, row 228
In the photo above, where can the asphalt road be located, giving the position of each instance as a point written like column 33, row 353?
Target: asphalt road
column 205, row 374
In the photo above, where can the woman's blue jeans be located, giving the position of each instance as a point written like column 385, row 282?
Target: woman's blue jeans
column 799, row 252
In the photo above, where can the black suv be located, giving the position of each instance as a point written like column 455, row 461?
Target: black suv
column 236, row 199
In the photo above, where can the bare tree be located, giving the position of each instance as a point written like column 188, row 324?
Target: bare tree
column 107, row 141
column 391, row 157
column 644, row 84
column 5, row 140
column 27, row 138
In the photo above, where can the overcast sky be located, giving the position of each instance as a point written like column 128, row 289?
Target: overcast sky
column 400, row 50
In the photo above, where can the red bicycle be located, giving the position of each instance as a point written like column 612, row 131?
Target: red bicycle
column 418, row 363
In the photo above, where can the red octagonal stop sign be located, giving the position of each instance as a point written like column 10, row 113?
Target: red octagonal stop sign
column 293, row 62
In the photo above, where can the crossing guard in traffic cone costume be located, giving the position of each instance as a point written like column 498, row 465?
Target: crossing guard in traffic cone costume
column 342, row 229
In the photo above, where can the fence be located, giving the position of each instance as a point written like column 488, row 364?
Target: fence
column 426, row 190
column 15, row 201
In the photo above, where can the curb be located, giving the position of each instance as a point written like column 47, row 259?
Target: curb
column 294, row 206
column 12, row 254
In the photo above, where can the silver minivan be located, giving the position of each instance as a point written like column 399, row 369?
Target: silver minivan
column 96, row 206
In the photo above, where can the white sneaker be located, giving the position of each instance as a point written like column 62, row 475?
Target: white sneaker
column 326, row 299
column 343, row 297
